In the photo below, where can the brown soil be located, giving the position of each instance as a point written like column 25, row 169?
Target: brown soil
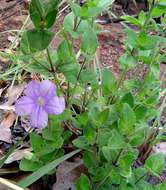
column 12, row 16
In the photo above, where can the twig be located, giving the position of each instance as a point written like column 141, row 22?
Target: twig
column 8, row 184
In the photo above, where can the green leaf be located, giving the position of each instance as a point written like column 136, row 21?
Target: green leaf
column 49, row 147
column 65, row 53
column 115, row 177
column 113, row 115
column 29, row 165
column 53, row 131
column 128, row 61
column 103, row 136
column 103, row 117
column 82, row 119
column 128, row 98
column 76, row 9
column 40, row 67
column 36, row 142
column 162, row 186
column 43, row 14
column 81, row 142
column 25, row 46
column 126, row 162
column 37, row 13
column 140, row 112
column 90, row 134
column 116, row 141
column 45, row 169
column 47, row 158
column 107, row 153
column 132, row 20
column 138, row 136
column 94, row 8
column 108, row 82
column 104, row 4
column 70, row 71
column 51, row 14
column 54, row 136
column 146, row 42
column 158, row 11
column 39, row 39
column 127, row 119
column 131, row 37
column 88, row 76
column 83, row 183
column 162, row 3
column 88, row 158
column 155, row 163
column 142, row 17
column 89, row 42
column 143, row 185
column 69, row 25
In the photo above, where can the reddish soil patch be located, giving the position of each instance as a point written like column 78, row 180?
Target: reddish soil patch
column 12, row 16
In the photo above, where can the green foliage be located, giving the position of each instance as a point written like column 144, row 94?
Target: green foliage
column 89, row 42
column 155, row 163
column 43, row 13
column 83, row 183
column 107, row 117
column 45, row 169
column 45, row 148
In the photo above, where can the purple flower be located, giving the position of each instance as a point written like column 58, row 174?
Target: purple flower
column 40, row 100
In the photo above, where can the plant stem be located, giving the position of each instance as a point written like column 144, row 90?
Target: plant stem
column 114, row 163
column 84, row 98
column 68, row 93
column 82, row 66
column 53, row 70
column 105, row 178
column 149, row 15
column 121, row 78
column 118, row 157
column 78, row 76
column 50, row 60
column 139, row 179
column 41, row 64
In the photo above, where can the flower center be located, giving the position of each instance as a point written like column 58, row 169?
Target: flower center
column 40, row 101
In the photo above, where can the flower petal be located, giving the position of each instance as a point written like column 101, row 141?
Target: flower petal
column 39, row 117
column 55, row 105
column 32, row 89
column 24, row 106
column 47, row 89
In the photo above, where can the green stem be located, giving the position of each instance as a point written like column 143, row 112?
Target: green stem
column 105, row 178
column 82, row 66
column 75, row 23
column 149, row 15
column 68, row 93
column 118, row 157
column 78, row 76
column 121, row 79
column 84, row 98
column 139, row 179
column 41, row 64
column 50, row 60
column 53, row 70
